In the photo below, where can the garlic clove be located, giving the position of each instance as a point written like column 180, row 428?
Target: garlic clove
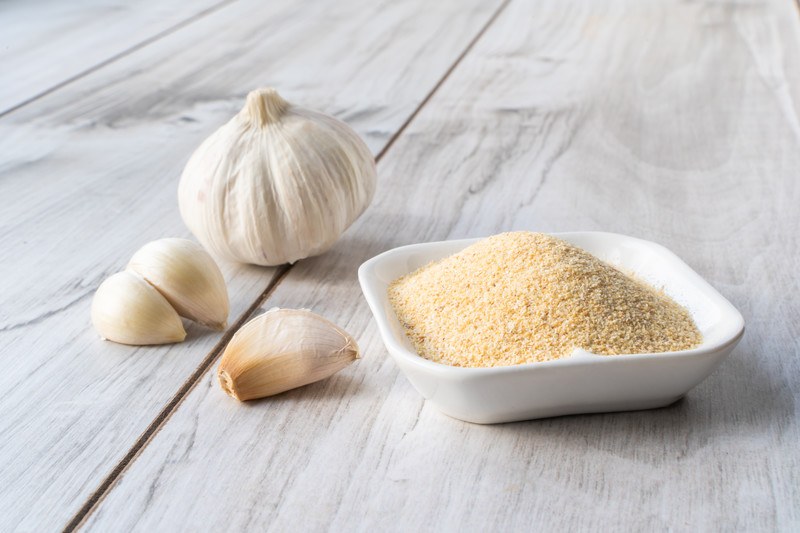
column 188, row 278
column 281, row 350
column 128, row 310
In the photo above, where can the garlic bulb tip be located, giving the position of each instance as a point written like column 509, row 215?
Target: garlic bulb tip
column 265, row 106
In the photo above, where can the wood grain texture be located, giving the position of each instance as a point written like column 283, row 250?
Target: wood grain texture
column 89, row 174
column 674, row 122
column 46, row 43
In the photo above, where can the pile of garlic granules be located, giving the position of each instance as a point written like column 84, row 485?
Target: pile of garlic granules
column 524, row 297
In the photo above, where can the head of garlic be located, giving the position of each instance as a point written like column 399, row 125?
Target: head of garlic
column 281, row 350
column 276, row 184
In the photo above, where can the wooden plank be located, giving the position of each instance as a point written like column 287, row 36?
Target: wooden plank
column 89, row 173
column 673, row 122
column 45, row 44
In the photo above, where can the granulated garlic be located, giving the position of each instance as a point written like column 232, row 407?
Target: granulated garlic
column 523, row 297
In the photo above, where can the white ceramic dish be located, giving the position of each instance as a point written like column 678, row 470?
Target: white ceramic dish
column 582, row 383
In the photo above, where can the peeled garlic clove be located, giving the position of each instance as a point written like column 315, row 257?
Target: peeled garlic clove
column 281, row 350
column 128, row 310
column 276, row 184
column 188, row 278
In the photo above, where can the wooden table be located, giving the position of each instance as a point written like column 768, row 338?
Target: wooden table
column 675, row 122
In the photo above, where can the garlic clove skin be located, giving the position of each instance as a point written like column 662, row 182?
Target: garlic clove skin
column 276, row 184
column 128, row 310
column 281, row 350
column 187, row 276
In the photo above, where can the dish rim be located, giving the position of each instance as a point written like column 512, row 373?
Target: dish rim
column 367, row 279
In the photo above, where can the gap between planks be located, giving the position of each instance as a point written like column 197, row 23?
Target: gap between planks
column 138, row 46
column 170, row 407
column 163, row 416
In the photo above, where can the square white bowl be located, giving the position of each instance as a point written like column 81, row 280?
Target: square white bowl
column 581, row 383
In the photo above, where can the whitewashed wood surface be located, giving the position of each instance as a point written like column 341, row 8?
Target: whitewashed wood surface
column 89, row 173
column 47, row 43
column 673, row 122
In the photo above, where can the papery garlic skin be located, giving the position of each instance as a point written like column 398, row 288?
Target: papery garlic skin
column 281, row 350
column 187, row 276
column 276, row 184
column 128, row 310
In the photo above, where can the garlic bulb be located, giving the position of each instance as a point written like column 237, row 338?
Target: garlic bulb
column 128, row 310
column 188, row 278
column 277, row 183
column 281, row 350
